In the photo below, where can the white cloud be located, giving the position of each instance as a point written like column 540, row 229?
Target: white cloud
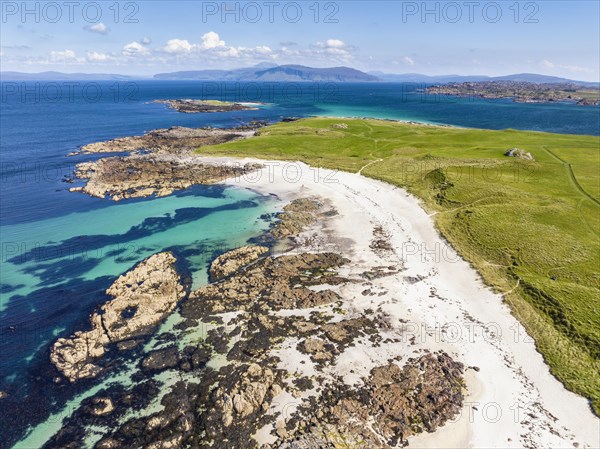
column 63, row 56
column 568, row 68
column 93, row 56
column 547, row 64
column 334, row 48
column 99, row 28
column 335, row 43
column 211, row 50
column 212, row 40
column 178, row 46
column 134, row 49
column 263, row 49
column 408, row 61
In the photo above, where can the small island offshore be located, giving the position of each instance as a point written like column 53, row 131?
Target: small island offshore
column 203, row 106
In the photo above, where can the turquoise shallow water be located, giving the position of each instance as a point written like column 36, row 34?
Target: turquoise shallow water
column 96, row 246
column 58, row 268
column 107, row 241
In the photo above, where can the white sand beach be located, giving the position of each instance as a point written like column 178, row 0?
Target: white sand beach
column 437, row 302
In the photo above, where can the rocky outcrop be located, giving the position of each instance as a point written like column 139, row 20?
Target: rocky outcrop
column 252, row 393
column 141, row 299
column 101, row 406
column 400, row 402
column 142, row 176
column 296, row 217
column 393, row 404
column 177, row 139
column 381, row 244
column 281, row 283
column 227, row 264
column 226, row 408
column 519, row 153
column 161, row 360
column 203, row 106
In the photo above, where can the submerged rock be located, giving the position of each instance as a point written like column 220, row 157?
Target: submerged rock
column 141, row 299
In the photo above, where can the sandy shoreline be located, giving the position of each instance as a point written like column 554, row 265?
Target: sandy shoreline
column 437, row 302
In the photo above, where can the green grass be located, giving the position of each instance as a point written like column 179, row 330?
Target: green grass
column 531, row 229
column 217, row 102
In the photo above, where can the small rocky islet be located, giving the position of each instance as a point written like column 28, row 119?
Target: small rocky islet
column 189, row 106
column 265, row 374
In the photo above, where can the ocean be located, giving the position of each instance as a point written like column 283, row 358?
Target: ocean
column 61, row 250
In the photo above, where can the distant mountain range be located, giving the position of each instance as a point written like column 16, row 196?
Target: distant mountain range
column 293, row 73
column 274, row 73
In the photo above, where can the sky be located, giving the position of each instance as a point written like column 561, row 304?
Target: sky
column 560, row 38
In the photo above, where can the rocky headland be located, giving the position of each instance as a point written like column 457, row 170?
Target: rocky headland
column 135, row 176
column 160, row 162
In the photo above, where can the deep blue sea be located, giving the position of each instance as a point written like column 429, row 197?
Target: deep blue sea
column 61, row 250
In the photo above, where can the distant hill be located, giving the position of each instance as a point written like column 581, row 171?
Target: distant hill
column 282, row 73
column 518, row 77
column 539, row 79
column 420, row 78
column 267, row 71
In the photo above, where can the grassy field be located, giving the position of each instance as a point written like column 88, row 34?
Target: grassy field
column 531, row 228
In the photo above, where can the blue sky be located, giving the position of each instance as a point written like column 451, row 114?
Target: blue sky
column 144, row 37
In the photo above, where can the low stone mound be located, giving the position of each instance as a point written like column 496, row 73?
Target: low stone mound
column 339, row 126
column 519, row 153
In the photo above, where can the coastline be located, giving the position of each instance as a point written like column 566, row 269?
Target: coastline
column 513, row 384
column 434, row 299
column 435, row 302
